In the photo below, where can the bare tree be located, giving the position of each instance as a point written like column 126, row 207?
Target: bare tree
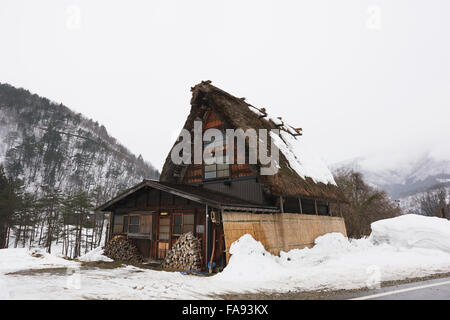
column 433, row 203
column 366, row 204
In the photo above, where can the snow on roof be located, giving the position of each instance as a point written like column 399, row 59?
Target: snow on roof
column 302, row 160
column 256, row 110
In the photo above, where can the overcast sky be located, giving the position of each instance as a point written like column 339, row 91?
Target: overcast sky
column 359, row 76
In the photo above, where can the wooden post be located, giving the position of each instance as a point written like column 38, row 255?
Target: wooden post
column 171, row 218
column 300, row 205
column 207, row 237
column 315, row 207
column 108, row 229
column 111, row 228
column 281, row 205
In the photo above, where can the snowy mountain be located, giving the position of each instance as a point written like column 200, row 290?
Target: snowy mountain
column 406, row 177
column 47, row 145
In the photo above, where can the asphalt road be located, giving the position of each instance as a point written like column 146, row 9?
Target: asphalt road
column 436, row 289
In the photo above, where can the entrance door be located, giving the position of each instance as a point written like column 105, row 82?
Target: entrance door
column 164, row 236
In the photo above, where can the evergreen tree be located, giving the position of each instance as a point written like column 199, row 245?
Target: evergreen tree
column 10, row 203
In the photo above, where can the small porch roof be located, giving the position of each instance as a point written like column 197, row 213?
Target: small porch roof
column 197, row 194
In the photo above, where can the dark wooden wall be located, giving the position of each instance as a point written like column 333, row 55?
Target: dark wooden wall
column 149, row 201
column 248, row 189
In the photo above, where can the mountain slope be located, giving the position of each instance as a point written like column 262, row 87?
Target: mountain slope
column 47, row 145
column 405, row 178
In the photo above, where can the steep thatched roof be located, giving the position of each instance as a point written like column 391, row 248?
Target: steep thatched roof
column 237, row 114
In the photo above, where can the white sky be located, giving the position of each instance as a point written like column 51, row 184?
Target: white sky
column 359, row 76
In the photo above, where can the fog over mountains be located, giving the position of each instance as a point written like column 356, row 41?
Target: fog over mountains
column 402, row 175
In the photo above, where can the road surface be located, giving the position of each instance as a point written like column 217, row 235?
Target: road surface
column 436, row 289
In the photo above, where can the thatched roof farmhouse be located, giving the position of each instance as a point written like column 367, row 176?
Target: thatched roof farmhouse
column 218, row 203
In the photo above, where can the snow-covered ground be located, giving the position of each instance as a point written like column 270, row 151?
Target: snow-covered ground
column 399, row 248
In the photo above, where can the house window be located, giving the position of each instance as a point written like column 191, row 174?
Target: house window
column 308, row 206
column 291, row 205
column 323, row 208
column 183, row 223
column 164, row 235
column 216, row 148
column 133, row 224
column 164, row 225
column 214, row 171
column 118, row 224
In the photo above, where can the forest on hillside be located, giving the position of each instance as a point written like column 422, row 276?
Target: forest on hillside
column 57, row 165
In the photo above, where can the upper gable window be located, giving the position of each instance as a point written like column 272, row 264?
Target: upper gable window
column 216, row 148
column 215, row 171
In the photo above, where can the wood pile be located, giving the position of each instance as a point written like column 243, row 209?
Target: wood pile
column 121, row 248
column 185, row 254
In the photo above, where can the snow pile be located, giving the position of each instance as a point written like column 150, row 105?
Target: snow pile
column 399, row 248
column 4, row 292
column 301, row 159
column 413, row 231
column 250, row 261
column 16, row 259
column 95, row 255
column 310, row 268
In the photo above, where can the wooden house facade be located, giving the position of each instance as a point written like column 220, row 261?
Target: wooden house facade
column 197, row 197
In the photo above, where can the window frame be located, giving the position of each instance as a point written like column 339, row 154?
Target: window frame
column 183, row 224
column 115, row 224
column 225, row 166
column 134, row 224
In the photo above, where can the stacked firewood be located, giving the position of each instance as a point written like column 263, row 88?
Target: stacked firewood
column 121, row 248
column 185, row 254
